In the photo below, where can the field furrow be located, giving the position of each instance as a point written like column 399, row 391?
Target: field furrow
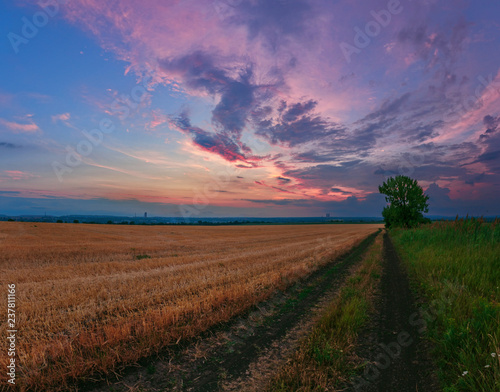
column 90, row 297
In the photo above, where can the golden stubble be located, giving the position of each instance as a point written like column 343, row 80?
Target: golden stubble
column 90, row 297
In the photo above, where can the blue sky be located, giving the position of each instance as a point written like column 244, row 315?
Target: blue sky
column 247, row 108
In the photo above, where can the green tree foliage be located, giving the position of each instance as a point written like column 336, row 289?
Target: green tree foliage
column 407, row 202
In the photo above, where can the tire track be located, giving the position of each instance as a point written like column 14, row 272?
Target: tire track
column 220, row 359
column 393, row 345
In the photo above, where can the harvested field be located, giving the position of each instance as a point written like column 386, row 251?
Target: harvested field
column 90, row 297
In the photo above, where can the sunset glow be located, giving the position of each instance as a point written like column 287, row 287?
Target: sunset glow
column 247, row 108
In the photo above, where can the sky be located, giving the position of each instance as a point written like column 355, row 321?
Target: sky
column 247, row 107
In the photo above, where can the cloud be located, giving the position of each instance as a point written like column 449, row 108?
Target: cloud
column 354, row 175
column 294, row 124
column 236, row 101
column 8, row 145
column 422, row 132
column 235, row 87
column 30, row 127
column 196, row 70
column 221, row 144
column 61, row 117
column 262, row 183
column 338, row 190
column 352, row 206
column 441, row 203
column 490, row 141
column 16, row 175
column 158, row 119
column 283, row 180
column 268, row 69
column 488, row 156
column 492, row 123
column 275, row 21
column 283, row 202
column 474, row 179
column 388, row 108
column 435, row 47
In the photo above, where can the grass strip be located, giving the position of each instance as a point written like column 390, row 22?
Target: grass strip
column 455, row 266
column 326, row 358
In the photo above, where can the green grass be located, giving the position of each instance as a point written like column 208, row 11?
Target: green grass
column 456, row 267
column 141, row 257
column 325, row 357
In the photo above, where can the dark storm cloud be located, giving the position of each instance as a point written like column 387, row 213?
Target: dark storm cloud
column 440, row 203
column 411, row 118
column 491, row 123
column 438, row 195
column 284, row 180
column 490, row 135
column 472, row 180
column 389, row 108
column 434, row 172
column 316, row 157
column 217, row 143
column 355, row 174
column 338, row 190
column 488, row 156
column 198, row 71
column 490, row 140
column 422, row 132
column 8, row 145
column 371, row 205
column 246, row 166
column 293, row 112
column 283, row 202
column 362, row 136
column 236, row 101
column 238, row 94
column 261, row 183
column 294, row 124
column 433, row 46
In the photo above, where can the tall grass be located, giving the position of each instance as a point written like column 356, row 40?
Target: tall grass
column 456, row 266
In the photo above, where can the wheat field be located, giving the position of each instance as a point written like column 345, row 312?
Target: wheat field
column 91, row 297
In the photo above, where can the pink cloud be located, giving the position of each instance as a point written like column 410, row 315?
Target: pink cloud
column 485, row 103
column 282, row 190
column 158, row 119
column 15, row 127
column 61, row 117
column 16, row 175
column 144, row 35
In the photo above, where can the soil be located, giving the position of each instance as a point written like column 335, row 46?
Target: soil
column 393, row 344
column 242, row 354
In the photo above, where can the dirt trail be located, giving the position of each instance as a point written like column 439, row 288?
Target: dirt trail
column 243, row 353
column 393, row 342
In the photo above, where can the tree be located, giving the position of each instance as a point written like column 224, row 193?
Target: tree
column 407, row 202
